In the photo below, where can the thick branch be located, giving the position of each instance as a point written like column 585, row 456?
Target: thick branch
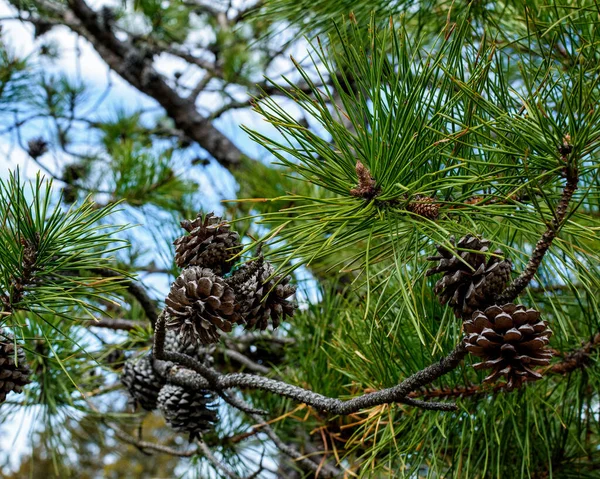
column 220, row 382
column 130, row 63
column 336, row 406
column 519, row 284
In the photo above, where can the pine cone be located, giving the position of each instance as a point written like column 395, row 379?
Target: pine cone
column 260, row 297
column 14, row 371
column 471, row 280
column 36, row 147
column 141, row 381
column 424, row 206
column 200, row 304
column 511, row 340
column 209, row 244
column 187, row 411
column 174, row 342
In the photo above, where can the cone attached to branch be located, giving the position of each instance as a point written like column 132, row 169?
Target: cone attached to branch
column 200, row 305
column 367, row 186
column 261, row 295
column 191, row 412
column 472, row 278
column 424, row 206
column 175, row 342
column 511, row 340
column 209, row 244
column 14, row 370
column 142, row 382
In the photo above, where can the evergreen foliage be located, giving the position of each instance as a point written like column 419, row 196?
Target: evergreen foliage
column 467, row 133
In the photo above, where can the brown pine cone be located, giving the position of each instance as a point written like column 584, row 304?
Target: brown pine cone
column 260, row 297
column 209, row 244
column 14, row 370
column 199, row 305
column 472, row 279
column 424, row 206
column 511, row 340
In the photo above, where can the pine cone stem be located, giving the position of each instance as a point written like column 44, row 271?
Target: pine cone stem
column 515, row 288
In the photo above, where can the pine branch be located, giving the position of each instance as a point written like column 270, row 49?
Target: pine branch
column 574, row 360
column 221, row 382
column 577, row 359
column 115, row 324
column 522, row 281
column 131, row 64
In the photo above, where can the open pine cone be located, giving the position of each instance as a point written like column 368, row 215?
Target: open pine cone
column 511, row 340
column 471, row 279
column 188, row 411
column 14, row 370
column 209, row 244
column 199, row 305
column 261, row 297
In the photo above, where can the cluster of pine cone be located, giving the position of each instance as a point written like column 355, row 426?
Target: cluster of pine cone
column 14, row 370
column 510, row 339
column 209, row 297
column 187, row 411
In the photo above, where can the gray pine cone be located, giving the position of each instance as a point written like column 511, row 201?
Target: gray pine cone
column 200, row 305
column 141, row 381
column 191, row 412
column 209, row 244
column 260, row 297
column 472, row 279
column 14, row 370
column 174, row 342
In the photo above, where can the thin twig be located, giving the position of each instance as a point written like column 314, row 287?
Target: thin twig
column 327, row 470
column 144, row 445
column 577, row 359
column 137, row 291
column 208, row 454
column 116, row 324
column 245, row 361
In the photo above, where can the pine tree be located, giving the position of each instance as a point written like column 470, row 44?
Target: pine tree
column 407, row 287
